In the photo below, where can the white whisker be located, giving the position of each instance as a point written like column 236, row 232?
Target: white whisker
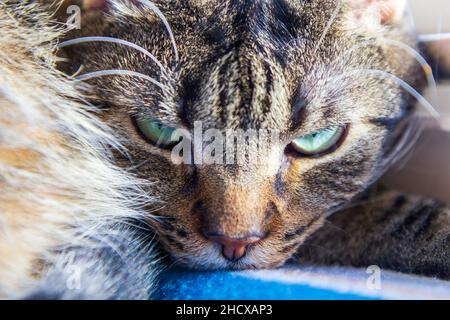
column 403, row 150
column 79, row 70
column 329, row 24
column 117, row 72
column 158, row 12
column 433, row 37
column 428, row 71
column 420, row 98
column 420, row 59
column 113, row 40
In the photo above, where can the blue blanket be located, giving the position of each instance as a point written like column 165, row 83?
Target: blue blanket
column 299, row 282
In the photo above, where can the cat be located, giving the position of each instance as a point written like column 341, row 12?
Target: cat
column 63, row 203
column 334, row 81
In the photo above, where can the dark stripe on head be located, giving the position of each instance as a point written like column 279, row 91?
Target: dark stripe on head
column 269, row 87
column 190, row 91
column 285, row 21
column 246, row 88
column 224, row 99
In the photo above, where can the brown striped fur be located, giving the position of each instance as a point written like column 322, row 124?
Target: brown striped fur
column 258, row 65
column 242, row 64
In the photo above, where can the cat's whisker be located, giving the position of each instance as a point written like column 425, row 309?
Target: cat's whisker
column 406, row 86
column 402, row 83
column 373, row 199
column 419, row 58
column 116, row 41
column 56, row 9
column 109, row 244
column 413, row 131
column 174, row 262
column 147, row 226
column 329, row 24
column 330, row 224
column 158, row 12
column 404, row 147
column 119, row 72
column 310, row 245
column 79, row 70
column 431, row 37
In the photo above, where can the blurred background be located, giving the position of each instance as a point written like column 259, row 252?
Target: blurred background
column 433, row 16
column 427, row 169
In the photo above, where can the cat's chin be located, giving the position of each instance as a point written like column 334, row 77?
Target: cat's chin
column 212, row 259
column 239, row 265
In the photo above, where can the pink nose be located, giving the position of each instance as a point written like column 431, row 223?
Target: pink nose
column 233, row 249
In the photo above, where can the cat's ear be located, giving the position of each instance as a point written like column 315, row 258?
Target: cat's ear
column 377, row 12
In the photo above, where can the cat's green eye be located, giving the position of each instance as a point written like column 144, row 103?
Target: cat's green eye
column 319, row 142
column 157, row 133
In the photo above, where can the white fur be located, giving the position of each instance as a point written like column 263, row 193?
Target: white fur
column 74, row 190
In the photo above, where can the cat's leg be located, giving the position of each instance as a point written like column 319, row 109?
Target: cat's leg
column 392, row 230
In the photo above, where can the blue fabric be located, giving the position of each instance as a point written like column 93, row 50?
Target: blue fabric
column 296, row 282
column 221, row 285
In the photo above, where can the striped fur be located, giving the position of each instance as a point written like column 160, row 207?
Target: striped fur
column 292, row 66
column 70, row 194
column 407, row 233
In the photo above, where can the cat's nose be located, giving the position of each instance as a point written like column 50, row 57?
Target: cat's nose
column 233, row 249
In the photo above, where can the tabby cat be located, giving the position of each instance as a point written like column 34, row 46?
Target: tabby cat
column 335, row 80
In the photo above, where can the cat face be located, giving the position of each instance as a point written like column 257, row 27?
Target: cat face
column 320, row 75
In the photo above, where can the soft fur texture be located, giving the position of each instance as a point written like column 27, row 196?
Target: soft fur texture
column 293, row 66
column 59, row 188
column 392, row 230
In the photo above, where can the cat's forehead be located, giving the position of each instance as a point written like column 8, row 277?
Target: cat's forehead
column 236, row 63
column 239, row 89
column 261, row 24
column 242, row 64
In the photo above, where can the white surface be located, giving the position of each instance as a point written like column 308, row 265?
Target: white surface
column 393, row 285
column 431, row 15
